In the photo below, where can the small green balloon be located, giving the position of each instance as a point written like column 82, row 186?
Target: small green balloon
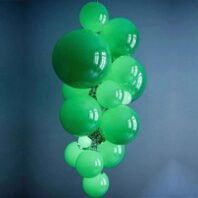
column 81, row 59
column 80, row 116
column 84, row 142
column 122, row 36
column 112, row 154
column 89, row 164
column 120, row 125
column 110, row 94
column 70, row 92
column 71, row 153
column 96, row 186
column 93, row 16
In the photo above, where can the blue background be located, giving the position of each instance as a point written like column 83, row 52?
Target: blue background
column 161, row 163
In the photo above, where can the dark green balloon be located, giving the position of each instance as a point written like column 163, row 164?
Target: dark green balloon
column 121, row 35
column 70, row 92
column 96, row 186
column 89, row 163
column 93, row 16
column 80, row 116
column 81, row 59
column 120, row 125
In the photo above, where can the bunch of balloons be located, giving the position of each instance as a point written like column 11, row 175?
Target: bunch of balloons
column 100, row 78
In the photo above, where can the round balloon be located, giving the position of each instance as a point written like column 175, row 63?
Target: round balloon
column 84, row 142
column 81, row 59
column 89, row 164
column 122, row 36
column 71, row 153
column 93, row 16
column 80, row 116
column 112, row 154
column 69, row 92
column 120, row 125
column 96, row 186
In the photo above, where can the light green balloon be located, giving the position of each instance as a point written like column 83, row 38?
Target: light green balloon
column 93, row 16
column 71, row 153
column 120, row 125
column 84, row 142
column 80, row 116
column 121, row 35
column 69, row 92
column 89, row 164
column 96, row 186
column 112, row 154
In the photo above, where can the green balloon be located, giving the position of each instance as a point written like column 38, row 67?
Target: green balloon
column 130, row 73
column 122, row 36
column 80, row 116
column 89, row 164
column 110, row 94
column 81, row 59
column 71, row 153
column 84, row 142
column 93, row 16
column 70, row 92
column 96, row 186
column 120, row 125
column 112, row 154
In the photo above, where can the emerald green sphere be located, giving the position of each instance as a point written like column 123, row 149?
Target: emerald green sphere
column 122, row 36
column 81, row 59
column 112, row 154
column 96, row 186
column 71, row 153
column 80, row 116
column 110, row 94
column 89, row 164
column 120, row 125
column 71, row 92
column 93, row 16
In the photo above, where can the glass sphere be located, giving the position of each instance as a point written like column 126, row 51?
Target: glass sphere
column 80, row 116
column 71, row 153
column 119, row 125
column 70, row 92
column 96, row 186
column 110, row 94
column 89, row 164
column 84, row 142
column 93, row 16
column 121, row 35
column 112, row 154
column 81, row 59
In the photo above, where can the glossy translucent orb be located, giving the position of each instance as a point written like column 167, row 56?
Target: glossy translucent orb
column 96, row 186
column 71, row 153
column 110, row 94
column 84, row 142
column 122, row 36
column 120, row 125
column 89, row 164
column 81, row 58
column 80, row 116
column 70, row 92
column 93, row 16
column 112, row 154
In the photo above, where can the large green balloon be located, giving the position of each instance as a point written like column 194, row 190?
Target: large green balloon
column 93, row 16
column 81, row 58
column 112, row 154
column 120, row 125
column 122, row 36
column 110, row 94
column 80, row 116
column 70, row 92
column 130, row 73
column 96, row 186
column 71, row 153
column 89, row 164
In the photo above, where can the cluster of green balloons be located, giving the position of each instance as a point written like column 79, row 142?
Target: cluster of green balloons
column 100, row 79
